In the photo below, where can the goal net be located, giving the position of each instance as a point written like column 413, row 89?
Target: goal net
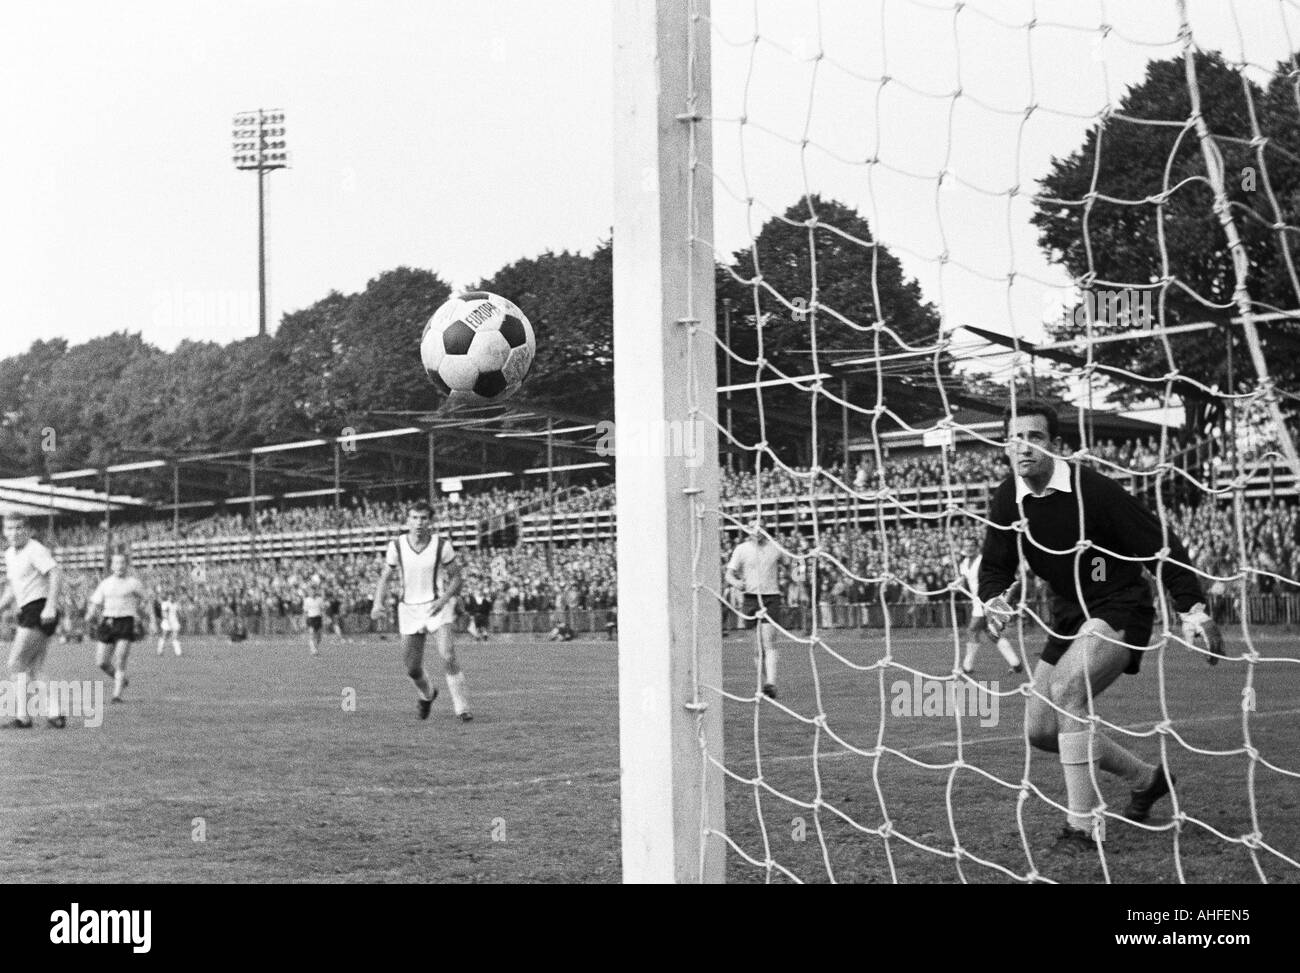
column 849, row 234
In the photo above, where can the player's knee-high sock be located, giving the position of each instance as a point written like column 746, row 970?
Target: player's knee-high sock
column 1076, row 762
column 1123, row 763
column 176, row 646
column 456, row 686
column 422, row 685
column 162, row 642
column 972, row 649
column 1008, row 652
column 119, row 681
column 769, row 666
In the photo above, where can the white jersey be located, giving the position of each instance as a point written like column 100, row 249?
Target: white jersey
column 118, row 597
column 421, row 570
column 29, row 570
column 171, row 616
column 313, row 607
column 757, row 565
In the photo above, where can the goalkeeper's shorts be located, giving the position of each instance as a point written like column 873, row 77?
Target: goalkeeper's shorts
column 1130, row 613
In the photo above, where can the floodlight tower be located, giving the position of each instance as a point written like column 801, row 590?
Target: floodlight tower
column 259, row 144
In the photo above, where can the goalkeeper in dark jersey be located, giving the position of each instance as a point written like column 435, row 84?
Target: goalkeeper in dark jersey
column 1102, row 607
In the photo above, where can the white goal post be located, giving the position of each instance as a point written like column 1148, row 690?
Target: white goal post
column 665, row 379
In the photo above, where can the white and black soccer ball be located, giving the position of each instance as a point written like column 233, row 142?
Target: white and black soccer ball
column 477, row 348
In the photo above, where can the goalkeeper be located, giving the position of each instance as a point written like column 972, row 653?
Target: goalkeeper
column 1102, row 609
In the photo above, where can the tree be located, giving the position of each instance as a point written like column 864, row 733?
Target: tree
column 1120, row 245
column 855, row 281
column 569, row 299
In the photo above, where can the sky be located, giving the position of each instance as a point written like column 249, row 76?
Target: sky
column 461, row 136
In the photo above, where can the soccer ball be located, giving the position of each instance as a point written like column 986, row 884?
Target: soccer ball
column 477, row 348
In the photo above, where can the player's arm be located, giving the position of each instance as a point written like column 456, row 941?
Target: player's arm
column 7, row 599
column 51, row 609
column 94, row 604
column 381, row 592
column 999, row 561
column 1137, row 532
column 455, row 580
column 733, row 571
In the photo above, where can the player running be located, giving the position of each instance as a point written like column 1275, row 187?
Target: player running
column 313, row 612
column 119, row 605
column 1102, row 611
column 34, row 580
column 169, row 622
column 969, row 572
column 431, row 580
column 754, row 569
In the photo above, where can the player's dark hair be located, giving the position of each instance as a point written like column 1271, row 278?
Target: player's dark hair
column 1033, row 407
column 421, row 506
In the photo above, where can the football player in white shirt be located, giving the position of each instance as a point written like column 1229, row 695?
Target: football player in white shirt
column 33, row 582
column 430, row 576
column 969, row 571
column 170, row 623
column 313, row 613
column 754, row 569
column 118, row 604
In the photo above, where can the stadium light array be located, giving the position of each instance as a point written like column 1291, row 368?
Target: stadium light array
column 259, row 145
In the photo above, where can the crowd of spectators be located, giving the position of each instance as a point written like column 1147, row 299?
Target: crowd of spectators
column 920, row 560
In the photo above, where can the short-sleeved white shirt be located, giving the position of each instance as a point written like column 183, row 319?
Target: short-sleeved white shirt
column 313, row 607
column 421, row 570
column 119, row 597
column 29, row 570
column 757, row 567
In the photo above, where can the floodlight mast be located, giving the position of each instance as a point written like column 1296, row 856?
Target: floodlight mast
column 259, row 144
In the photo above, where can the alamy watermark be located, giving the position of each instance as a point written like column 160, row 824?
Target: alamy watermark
column 947, row 698
column 1129, row 309
column 677, row 439
column 21, row 698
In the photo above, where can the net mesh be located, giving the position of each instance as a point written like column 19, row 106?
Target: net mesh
column 906, row 193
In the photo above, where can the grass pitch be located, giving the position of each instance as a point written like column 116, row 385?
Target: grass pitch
column 242, row 763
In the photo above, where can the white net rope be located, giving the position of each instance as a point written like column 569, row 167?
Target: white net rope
column 909, row 111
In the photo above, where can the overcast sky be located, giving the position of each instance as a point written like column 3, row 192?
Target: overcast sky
column 460, row 136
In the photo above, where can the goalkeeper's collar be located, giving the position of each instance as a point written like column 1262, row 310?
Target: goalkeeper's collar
column 1059, row 483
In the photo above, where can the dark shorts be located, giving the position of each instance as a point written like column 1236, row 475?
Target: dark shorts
column 314, row 622
column 750, row 607
column 29, row 616
column 1131, row 615
column 113, row 630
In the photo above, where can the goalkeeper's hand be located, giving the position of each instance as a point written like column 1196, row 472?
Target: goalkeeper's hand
column 998, row 611
column 1198, row 623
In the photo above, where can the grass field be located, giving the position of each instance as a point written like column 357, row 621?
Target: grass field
column 254, row 740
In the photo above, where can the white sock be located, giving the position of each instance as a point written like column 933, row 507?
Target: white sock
column 769, row 667
column 161, row 645
column 118, row 682
column 1008, row 652
column 177, row 646
column 971, row 649
column 456, row 686
column 1081, row 797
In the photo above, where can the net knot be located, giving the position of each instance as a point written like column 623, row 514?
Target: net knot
column 1164, row 726
column 887, row 829
column 1083, row 544
column 1253, row 841
column 1258, row 141
column 1162, row 554
column 1251, row 751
